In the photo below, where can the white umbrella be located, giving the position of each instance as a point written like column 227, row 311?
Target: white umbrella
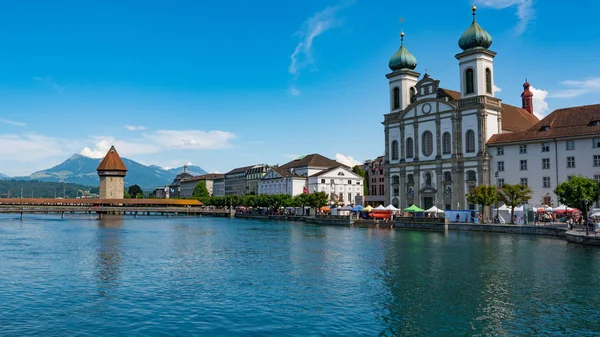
column 434, row 209
column 390, row 207
column 380, row 208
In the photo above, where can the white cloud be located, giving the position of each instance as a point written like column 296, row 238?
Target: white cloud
column 525, row 11
column 291, row 156
column 496, row 89
column 191, row 139
column 311, row 28
column 99, row 151
column 48, row 81
column 294, row 92
column 6, row 121
column 189, row 163
column 578, row 88
column 540, row 106
column 135, row 127
column 346, row 160
column 215, row 172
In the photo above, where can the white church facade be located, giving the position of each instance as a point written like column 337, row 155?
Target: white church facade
column 435, row 138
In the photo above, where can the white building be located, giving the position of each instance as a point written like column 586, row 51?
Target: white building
column 187, row 185
column 435, row 138
column 313, row 173
column 565, row 143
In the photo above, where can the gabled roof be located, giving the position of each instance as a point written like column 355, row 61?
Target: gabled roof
column 567, row 122
column 240, row 169
column 112, row 162
column 311, row 160
column 516, row 119
column 451, row 94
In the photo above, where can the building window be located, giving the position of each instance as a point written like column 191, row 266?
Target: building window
column 469, row 85
column 428, row 179
column 396, row 98
column 597, row 178
column 409, row 148
column 570, row 145
column 427, row 140
column 500, row 151
column 396, row 191
column 570, row 162
column 350, row 198
column 446, row 143
column 522, row 149
column 596, row 143
column 545, row 147
column 395, row 150
column 395, row 180
column 500, row 166
column 471, row 175
column 545, row 163
column 373, row 190
column 596, row 160
column 470, row 136
column 500, row 182
column 447, row 176
column 546, row 182
column 322, row 181
column 488, row 80
column 410, row 178
column 523, row 165
column 524, row 181
column 349, row 182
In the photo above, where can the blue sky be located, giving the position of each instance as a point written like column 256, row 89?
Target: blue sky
column 234, row 83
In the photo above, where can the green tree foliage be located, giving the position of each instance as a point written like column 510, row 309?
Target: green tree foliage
column 200, row 190
column 513, row 196
column 271, row 202
column 483, row 195
column 576, row 191
column 317, row 199
column 358, row 170
column 134, row 191
column 126, row 194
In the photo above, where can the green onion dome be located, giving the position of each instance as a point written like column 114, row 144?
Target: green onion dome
column 403, row 59
column 475, row 36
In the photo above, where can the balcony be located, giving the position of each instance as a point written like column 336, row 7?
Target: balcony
column 425, row 185
column 479, row 100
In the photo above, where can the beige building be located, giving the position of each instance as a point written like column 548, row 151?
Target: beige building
column 112, row 173
column 187, row 185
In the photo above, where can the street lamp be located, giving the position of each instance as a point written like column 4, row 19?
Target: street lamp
column 496, row 175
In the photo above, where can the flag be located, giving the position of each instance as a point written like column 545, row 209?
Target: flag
column 305, row 190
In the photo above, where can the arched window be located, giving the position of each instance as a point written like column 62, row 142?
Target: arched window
column 470, row 138
column 427, row 179
column 396, row 98
column 446, row 143
column 395, row 180
column 413, row 94
column 410, row 179
column 447, row 176
column 427, row 143
column 488, row 80
column 471, row 175
column 409, row 148
column 395, row 150
column 469, row 85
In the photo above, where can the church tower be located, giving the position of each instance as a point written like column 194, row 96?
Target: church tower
column 476, row 61
column 402, row 78
column 112, row 173
column 527, row 98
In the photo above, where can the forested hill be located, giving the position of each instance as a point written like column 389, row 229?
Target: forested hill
column 41, row 189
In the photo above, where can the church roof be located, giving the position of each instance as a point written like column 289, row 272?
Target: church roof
column 515, row 119
column 475, row 36
column 403, row 59
column 568, row 122
column 112, row 162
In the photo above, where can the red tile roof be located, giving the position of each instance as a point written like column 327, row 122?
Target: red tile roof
column 567, row 122
column 112, row 162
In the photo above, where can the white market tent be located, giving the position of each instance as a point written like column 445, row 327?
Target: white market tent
column 391, row 207
column 380, row 208
column 434, row 209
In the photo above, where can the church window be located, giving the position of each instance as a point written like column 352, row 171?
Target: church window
column 470, row 137
column 410, row 179
column 471, row 175
column 413, row 94
column 447, row 176
column 447, row 143
column 469, row 85
column 488, row 80
column 427, row 141
column 395, row 150
column 428, row 179
column 409, row 148
column 396, row 98
column 395, row 180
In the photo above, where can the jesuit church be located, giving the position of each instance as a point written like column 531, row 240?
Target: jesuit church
column 435, row 138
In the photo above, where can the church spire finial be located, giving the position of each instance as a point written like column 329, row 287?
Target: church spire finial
column 474, row 9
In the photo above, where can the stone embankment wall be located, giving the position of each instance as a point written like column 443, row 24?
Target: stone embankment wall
column 588, row 240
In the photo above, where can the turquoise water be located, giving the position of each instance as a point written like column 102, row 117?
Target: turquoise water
column 227, row 277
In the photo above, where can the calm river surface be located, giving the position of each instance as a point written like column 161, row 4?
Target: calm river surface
column 227, row 277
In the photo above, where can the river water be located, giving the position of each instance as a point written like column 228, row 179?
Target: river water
column 152, row 276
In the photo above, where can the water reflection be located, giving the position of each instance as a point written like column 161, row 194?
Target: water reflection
column 109, row 255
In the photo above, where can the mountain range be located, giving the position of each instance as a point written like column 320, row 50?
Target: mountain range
column 4, row 176
column 82, row 170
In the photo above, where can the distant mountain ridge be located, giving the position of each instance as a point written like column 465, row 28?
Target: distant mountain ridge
column 80, row 169
column 4, row 176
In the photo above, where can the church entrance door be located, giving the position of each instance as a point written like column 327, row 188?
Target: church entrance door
column 427, row 202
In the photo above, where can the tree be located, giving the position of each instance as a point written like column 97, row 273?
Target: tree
column 317, row 200
column 126, row 194
column 200, row 190
column 356, row 169
column 483, row 195
column 513, row 196
column 134, row 190
column 579, row 192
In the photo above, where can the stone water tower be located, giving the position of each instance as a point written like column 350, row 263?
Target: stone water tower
column 112, row 173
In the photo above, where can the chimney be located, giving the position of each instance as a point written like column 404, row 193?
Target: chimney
column 527, row 98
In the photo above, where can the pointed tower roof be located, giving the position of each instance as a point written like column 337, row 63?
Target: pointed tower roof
column 112, row 162
column 402, row 59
